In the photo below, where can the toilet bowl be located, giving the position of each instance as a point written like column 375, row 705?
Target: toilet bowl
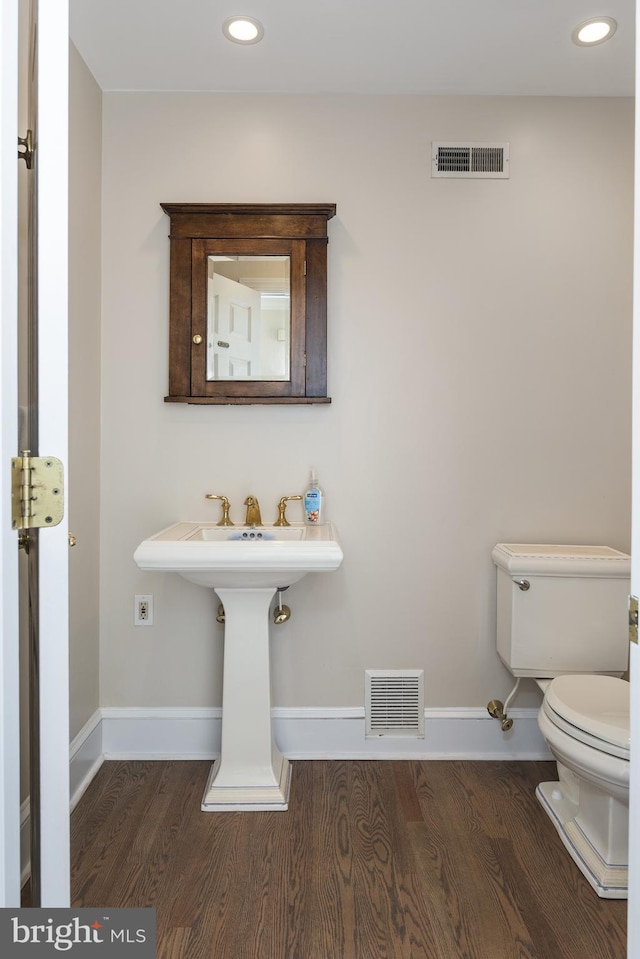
column 562, row 620
column 585, row 722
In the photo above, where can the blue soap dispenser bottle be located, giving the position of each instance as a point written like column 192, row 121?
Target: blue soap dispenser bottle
column 313, row 502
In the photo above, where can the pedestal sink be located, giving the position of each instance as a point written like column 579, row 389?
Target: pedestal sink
column 245, row 566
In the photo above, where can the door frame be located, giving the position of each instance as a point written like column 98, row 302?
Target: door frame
column 52, row 243
column 9, row 617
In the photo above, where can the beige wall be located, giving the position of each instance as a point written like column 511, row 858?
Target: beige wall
column 85, row 165
column 479, row 336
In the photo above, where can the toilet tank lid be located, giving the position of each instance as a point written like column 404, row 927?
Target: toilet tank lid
column 546, row 559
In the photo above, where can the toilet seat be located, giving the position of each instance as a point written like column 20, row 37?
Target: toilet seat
column 592, row 709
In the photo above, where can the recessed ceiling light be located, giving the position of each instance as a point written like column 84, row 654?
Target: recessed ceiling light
column 594, row 31
column 243, row 30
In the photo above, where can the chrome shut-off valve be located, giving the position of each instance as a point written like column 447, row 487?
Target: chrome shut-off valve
column 496, row 709
column 281, row 613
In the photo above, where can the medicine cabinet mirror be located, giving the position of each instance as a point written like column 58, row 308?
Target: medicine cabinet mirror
column 248, row 303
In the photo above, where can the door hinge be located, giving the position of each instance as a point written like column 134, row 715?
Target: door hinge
column 304, row 358
column 633, row 619
column 26, row 153
column 37, row 491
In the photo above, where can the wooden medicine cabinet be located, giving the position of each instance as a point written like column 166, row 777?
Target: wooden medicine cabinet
column 248, row 302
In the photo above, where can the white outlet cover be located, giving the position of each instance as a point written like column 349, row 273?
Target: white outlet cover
column 139, row 600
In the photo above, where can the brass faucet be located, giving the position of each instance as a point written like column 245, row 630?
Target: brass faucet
column 253, row 512
column 225, row 521
column 282, row 505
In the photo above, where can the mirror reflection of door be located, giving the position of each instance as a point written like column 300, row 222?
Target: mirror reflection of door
column 248, row 318
column 233, row 343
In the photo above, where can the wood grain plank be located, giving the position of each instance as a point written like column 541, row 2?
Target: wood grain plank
column 379, row 914
column 175, row 945
column 332, row 912
column 407, row 796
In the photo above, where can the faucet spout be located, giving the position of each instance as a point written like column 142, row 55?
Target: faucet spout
column 253, row 512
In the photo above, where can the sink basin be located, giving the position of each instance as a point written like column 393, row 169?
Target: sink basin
column 252, row 534
column 241, row 556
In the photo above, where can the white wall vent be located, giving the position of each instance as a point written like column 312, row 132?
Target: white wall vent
column 394, row 702
column 470, row 160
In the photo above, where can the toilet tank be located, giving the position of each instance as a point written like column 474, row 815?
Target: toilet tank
column 562, row 609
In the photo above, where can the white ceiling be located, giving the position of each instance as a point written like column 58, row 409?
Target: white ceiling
column 498, row 47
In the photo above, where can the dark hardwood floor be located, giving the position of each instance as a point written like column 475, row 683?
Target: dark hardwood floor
column 405, row 860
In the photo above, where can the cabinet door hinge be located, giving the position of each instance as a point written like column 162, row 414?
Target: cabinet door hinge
column 304, row 358
column 633, row 619
column 305, row 267
column 37, row 491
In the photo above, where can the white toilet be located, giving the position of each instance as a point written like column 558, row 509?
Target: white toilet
column 562, row 620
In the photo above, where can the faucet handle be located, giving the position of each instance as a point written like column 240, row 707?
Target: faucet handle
column 225, row 521
column 282, row 506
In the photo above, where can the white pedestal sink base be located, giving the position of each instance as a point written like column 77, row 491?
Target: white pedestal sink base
column 247, row 798
column 251, row 773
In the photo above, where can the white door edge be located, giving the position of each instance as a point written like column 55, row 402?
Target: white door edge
column 633, row 913
column 53, row 175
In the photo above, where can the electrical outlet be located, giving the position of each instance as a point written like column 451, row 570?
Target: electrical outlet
column 143, row 611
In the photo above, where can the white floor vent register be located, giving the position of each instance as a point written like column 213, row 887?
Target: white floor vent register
column 394, row 702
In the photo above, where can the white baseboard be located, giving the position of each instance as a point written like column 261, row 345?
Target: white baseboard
column 86, row 755
column 150, row 733
column 316, row 733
